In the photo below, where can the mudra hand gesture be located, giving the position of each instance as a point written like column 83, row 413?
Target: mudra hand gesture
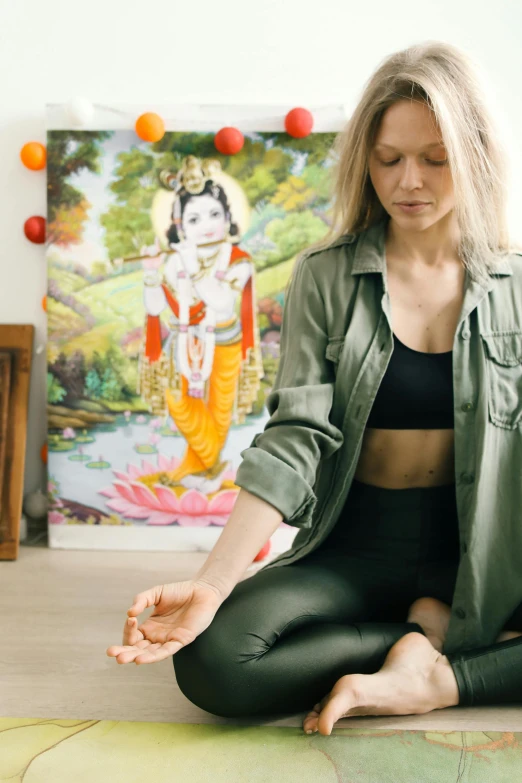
column 183, row 610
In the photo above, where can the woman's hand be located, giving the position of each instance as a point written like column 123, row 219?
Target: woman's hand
column 183, row 610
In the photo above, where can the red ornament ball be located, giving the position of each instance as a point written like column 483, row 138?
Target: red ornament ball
column 33, row 155
column 299, row 122
column 34, row 229
column 229, row 141
column 150, row 127
column 263, row 552
column 43, row 453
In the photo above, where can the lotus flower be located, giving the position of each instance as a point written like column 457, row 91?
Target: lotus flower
column 56, row 518
column 68, row 433
column 135, row 500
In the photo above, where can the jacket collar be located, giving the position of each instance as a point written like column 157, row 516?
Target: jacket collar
column 369, row 253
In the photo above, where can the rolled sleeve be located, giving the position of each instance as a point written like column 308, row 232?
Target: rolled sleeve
column 277, row 483
column 280, row 465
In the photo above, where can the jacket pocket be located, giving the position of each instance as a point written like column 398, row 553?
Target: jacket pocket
column 504, row 370
column 333, row 350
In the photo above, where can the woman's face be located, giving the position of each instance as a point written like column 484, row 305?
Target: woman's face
column 408, row 163
column 204, row 220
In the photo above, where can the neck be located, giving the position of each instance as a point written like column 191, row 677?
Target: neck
column 433, row 247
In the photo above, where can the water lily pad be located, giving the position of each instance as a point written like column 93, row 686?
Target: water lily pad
column 166, row 432
column 61, row 445
column 145, row 448
column 99, row 464
column 85, row 439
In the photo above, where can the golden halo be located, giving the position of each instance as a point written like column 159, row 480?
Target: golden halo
column 163, row 200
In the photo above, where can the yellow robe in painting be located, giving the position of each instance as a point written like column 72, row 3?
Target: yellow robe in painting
column 229, row 392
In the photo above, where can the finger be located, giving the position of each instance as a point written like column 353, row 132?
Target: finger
column 129, row 654
column 163, row 651
column 116, row 649
column 143, row 600
column 131, row 635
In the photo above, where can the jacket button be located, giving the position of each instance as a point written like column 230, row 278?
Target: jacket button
column 460, row 612
column 466, row 334
column 467, row 406
column 467, row 478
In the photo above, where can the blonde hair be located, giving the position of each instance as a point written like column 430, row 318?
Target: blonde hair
column 446, row 79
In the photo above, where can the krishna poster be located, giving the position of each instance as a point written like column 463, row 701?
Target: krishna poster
column 167, row 264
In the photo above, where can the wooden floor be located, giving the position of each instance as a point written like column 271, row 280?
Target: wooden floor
column 61, row 609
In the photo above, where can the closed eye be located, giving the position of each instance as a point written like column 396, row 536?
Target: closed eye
column 432, row 162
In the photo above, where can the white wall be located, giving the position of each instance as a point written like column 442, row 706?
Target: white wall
column 126, row 52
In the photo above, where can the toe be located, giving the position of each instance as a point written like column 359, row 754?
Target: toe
column 310, row 721
column 342, row 700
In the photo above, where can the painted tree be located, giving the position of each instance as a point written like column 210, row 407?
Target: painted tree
column 283, row 179
column 68, row 154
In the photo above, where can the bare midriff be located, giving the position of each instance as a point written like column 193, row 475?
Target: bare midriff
column 426, row 305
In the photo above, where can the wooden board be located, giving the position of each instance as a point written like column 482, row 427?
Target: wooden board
column 16, row 343
column 5, row 388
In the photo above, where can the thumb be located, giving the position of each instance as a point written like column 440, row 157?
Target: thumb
column 143, row 600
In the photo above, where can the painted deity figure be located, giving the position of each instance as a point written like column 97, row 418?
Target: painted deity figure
column 206, row 373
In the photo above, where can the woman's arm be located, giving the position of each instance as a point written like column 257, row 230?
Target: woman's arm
column 247, row 530
column 281, row 463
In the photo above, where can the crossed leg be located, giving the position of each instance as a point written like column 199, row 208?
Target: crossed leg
column 285, row 636
column 416, row 677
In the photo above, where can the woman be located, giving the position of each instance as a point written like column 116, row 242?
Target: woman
column 207, row 372
column 343, row 620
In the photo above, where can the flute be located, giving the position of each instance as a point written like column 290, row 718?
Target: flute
column 121, row 261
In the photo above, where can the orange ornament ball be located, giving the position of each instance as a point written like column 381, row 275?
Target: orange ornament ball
column 263, row 552
column 299, row 122
column 34, row 155
column 43, row 453
column 150, row 127
column 34, row 229
column 229, row 141
column 44, row 303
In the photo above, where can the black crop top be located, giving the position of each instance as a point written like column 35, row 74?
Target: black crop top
column 416, row 392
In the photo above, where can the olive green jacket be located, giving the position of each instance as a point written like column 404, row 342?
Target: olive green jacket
column 336, row 342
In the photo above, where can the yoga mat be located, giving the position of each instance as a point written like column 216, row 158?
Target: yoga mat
column 51, row 750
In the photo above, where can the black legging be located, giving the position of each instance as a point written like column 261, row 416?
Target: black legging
column 284, row 636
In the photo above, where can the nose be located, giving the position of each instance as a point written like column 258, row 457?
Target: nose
column 411, row 176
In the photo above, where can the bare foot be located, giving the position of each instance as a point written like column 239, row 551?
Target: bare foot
column 413, row 679
column 433, row 616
